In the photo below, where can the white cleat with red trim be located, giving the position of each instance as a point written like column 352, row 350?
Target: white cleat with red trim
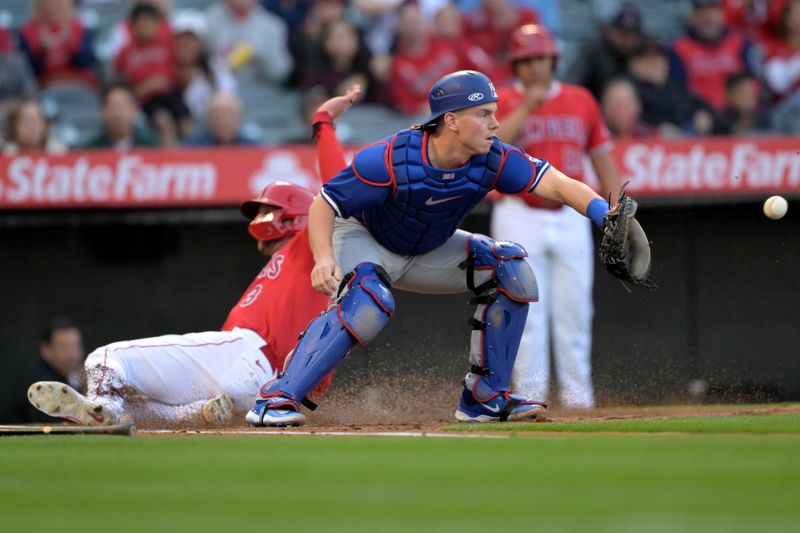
column 57, row 399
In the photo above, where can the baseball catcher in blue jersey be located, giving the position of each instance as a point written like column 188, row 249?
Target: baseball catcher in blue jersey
column 390, row 221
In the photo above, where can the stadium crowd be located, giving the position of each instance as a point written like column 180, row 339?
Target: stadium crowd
column 209, row 73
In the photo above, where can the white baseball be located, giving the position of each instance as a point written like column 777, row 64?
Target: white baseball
column 775, row 207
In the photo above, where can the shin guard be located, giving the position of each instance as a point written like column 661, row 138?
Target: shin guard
column 502, row 301
column 364, row 308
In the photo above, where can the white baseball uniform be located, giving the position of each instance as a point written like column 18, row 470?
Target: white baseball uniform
column 563, row 129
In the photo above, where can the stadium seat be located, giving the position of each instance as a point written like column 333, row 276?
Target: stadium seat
column 14, row 13
column 366, row 123
column 74, row 110
column 272, row 111
column 191, row 4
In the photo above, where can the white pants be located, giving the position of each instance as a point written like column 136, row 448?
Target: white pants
column 170, row 377
column 561, row 253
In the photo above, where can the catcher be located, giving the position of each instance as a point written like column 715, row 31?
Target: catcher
column 390, row 221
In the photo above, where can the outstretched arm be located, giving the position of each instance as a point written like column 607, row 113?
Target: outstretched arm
column 329, row 151
column 556, row 186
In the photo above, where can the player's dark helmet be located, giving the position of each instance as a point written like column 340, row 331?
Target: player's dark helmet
column 532, row 40
column 290, row 216
column 459, row 90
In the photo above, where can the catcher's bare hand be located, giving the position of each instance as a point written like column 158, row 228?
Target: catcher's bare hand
column 337, row 105
column 326, row 276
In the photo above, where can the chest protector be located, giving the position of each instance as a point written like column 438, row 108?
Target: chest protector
column 428, row 204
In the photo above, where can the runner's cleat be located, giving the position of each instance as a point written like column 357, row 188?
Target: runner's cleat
column 57, row 399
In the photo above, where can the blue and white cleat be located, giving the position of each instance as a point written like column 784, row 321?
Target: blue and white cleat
column 479, row 403
column 275, row 411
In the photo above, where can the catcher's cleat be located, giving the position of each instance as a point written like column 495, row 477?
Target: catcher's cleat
column 57, row 399
column 218, row 411
column 479, row 403
column 276, row 412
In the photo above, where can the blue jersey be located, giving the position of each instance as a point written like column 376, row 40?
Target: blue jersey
column 412, row 207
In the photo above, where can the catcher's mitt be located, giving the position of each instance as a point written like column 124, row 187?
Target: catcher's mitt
column 624, row 248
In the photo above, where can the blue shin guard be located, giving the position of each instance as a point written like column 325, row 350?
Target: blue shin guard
column 363, row 310
column 498, row 324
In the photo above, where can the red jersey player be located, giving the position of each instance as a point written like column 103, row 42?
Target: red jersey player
column 185, row 379
column 560, row 123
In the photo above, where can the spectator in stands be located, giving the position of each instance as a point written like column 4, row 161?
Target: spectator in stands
column 419, row 61
column 782, row 66
column 149, row 66
column 306, row 42
column 751, row 17
column 549, row 11
column 27, row 130
column 741, row 114
column 120, row 129
column 61, row 357
column 223, row 124
column 666, row 104
column 448, row 26
column 122, row 33
column 200, row 74
column 57, row 46
column 708, row 53
column 253, row 41
column 622, row 110
column 607, row 57
column 344, row 60
column 16, row 78
column 490, row 26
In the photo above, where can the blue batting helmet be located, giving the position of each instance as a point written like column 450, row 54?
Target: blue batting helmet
column 459, row 90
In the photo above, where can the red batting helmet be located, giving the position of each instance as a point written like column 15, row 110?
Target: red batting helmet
column 532, row 40
column 290, row 216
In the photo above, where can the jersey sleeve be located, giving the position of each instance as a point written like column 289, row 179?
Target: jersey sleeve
column 366, row 183
column 519, row 172
column 329, row 151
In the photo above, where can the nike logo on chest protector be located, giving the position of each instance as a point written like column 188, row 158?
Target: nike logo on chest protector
column 431, row 201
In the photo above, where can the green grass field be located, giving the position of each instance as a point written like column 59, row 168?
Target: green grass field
column 715, row 474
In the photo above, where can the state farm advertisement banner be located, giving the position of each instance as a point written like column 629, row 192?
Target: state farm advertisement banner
column 185, row 178
column 151, row 177
column 717, row 166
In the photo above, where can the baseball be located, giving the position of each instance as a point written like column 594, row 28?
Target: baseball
column 775, row 207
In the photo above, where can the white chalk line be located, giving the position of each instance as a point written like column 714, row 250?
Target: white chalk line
column 295, row 433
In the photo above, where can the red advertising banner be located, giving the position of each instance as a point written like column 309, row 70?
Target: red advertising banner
column 151, row 177
column 715, row 166
column 186, row 178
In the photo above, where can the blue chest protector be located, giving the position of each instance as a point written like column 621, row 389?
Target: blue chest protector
column 429, row 204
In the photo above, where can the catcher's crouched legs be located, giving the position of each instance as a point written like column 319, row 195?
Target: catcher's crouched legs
column 498, row 324
column 363, row 309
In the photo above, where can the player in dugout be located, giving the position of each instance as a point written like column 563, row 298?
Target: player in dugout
column 391, row 219
column 207, row 377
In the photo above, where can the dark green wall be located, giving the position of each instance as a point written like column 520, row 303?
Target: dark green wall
column 726, row 309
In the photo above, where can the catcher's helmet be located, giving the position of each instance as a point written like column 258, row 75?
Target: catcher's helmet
column 532, row 40
column 290, row 216
column 459, row 90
